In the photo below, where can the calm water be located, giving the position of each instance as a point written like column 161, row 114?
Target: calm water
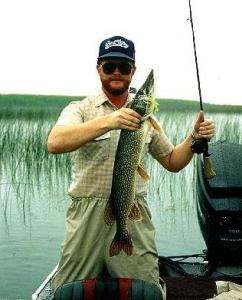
column 33, row 200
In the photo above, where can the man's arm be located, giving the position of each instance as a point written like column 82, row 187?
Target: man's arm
column 182, row 154
column 179, row 157
column 67, row 138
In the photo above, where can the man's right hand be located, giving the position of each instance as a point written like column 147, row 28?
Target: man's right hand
column 124, row 118
column 67, row 138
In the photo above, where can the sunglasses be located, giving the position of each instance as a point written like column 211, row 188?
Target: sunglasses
column 123, row 67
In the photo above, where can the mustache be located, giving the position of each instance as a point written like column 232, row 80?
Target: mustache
column 118, row 77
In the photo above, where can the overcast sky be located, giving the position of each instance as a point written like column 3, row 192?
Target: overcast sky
column 51, row 46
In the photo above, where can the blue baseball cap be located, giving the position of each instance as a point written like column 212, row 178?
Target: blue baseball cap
column 117, row 47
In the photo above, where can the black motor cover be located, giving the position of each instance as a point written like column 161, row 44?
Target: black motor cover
column 220, row 203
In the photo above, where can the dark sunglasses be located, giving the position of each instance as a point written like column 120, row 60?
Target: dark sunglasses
column 123, row 67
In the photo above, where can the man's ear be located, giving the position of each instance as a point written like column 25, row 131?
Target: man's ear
column 98, row 67
column 134, row 69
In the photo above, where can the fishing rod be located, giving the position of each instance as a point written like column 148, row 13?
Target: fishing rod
column 195, row 56
column 200, row 145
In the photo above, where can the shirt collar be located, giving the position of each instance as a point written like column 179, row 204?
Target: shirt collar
column 101, row 98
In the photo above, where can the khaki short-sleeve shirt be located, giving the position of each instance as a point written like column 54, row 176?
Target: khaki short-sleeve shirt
column 92, row 164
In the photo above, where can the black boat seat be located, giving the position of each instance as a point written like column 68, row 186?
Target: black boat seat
column 108, row 289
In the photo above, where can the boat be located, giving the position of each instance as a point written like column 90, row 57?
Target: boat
column 194, row 276
column 105, row 288
column 44, row 291
column 184, row 280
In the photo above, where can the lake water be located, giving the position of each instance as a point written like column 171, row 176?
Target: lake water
column 33, row 200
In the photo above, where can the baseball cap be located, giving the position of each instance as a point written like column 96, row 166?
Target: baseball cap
column 117, row 47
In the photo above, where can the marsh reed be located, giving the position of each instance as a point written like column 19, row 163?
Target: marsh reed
column 27, row 168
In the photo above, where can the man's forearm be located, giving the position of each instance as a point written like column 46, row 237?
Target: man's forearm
column 67, row 138
column 179, row 157
column 71, row 137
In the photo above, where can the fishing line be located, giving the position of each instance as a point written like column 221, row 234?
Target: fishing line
column 195, row 56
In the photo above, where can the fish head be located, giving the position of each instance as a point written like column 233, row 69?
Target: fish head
column 143, row 102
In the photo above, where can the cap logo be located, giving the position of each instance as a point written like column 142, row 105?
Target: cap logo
column 116, row 43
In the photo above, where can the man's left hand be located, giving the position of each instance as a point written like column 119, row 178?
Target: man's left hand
column 203, row 128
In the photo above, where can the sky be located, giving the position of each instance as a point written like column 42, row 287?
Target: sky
column 50, row 47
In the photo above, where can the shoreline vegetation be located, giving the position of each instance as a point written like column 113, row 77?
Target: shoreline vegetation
column 28, row 106
column 29, row 171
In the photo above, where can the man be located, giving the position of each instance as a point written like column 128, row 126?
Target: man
column 89, row 129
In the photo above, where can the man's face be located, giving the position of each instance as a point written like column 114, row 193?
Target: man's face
column 116, row 75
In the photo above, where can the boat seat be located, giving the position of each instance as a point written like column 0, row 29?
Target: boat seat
column 108, row 289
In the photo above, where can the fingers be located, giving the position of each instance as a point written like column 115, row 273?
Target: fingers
column 200, row 117
column 125, row 118
column 203, row 128
column 129, row 119
column 206, row 129
column 130, row 115
column 199, row 120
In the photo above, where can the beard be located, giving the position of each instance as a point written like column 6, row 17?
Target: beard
column 115, row 91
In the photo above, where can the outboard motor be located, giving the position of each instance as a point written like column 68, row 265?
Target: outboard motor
column 219, row 204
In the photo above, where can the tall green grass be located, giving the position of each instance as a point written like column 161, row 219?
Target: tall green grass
column 27, row 169
column 175, row 194
column 37, row 107
column 48, row 107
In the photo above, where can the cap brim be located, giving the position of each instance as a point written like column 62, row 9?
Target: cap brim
column 116, row 55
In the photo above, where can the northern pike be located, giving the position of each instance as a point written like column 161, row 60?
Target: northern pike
column 121, row 204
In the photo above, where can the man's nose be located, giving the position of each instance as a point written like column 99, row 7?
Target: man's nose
column 116, row 71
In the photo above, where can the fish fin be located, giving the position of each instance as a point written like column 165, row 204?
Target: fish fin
column 121, row 244
column 142, row 172
column 109, row 217
column 135, row 213
column 154, row 123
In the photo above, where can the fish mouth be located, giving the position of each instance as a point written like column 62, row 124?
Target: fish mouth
column 143, row 102
column 147, row 89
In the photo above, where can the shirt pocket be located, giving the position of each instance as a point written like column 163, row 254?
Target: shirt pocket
column 98, row 149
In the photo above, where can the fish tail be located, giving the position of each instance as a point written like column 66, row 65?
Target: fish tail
column 124, row 244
